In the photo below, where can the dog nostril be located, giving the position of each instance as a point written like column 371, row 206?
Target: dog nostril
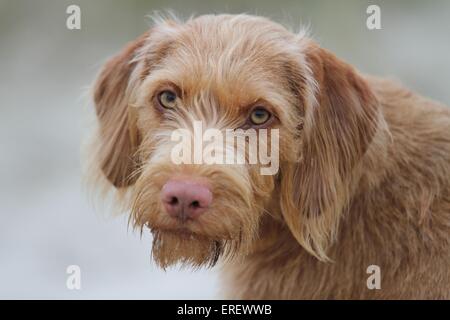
column 195, row 204
column 173, row 201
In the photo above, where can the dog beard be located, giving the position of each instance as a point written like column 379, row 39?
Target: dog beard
column 186, row 248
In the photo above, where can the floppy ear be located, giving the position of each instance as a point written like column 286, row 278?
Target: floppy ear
column 337, row 132
column 118, row 134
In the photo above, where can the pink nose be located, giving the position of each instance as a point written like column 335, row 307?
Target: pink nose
column 185, row 199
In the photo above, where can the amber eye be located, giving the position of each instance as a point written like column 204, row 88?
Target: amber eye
column 259, row 116
column 168, row 99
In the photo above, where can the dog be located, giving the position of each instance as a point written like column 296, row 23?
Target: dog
column 364, row 163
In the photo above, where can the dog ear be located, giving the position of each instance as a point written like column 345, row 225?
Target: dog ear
column 118, row 134
column 337, row 132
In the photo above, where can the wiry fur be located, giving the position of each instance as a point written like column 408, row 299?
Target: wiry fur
column 365, row 163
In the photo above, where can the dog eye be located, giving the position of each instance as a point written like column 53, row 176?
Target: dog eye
column 259, row 116
column 168, row 99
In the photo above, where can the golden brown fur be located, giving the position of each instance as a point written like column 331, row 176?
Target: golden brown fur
column 364, row 173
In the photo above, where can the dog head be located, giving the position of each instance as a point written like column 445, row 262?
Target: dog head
column 228, row 73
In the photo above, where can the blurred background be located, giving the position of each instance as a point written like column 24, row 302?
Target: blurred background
column 46, row 220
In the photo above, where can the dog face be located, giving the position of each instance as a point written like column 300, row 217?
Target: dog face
column 230, row 72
